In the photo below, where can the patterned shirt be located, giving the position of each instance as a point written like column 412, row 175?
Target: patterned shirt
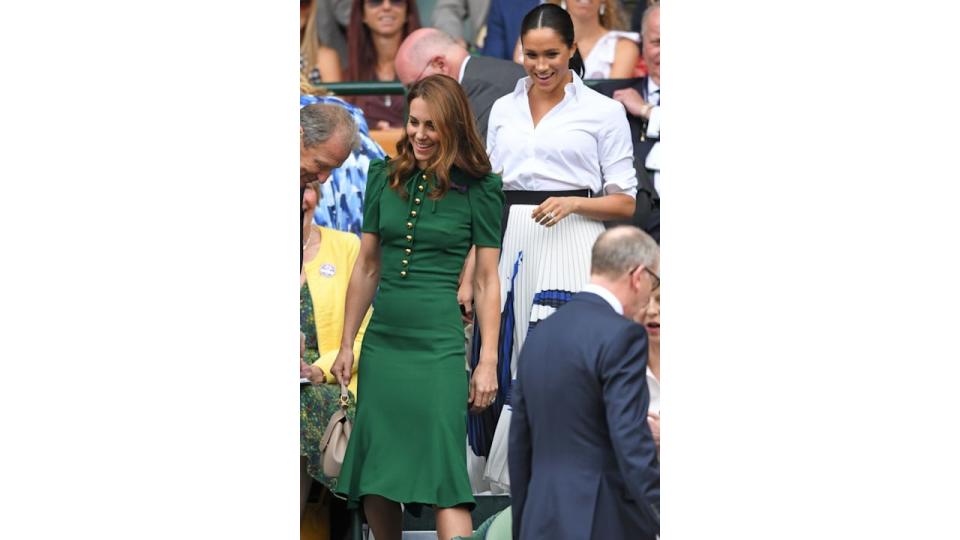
column 341, row 196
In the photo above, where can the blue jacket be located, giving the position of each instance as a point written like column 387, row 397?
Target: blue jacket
column 583, row 463
column 503, row 26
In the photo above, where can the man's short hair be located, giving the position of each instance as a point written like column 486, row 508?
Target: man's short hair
column 321, row 121
column 622, row 249
column 646, row 16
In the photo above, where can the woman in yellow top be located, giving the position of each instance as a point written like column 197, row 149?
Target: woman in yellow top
column 329, row 256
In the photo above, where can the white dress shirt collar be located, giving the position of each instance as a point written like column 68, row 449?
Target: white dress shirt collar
column 571, row 88
column 604, row 293
column 463, row 68
column 583, row 142
column 652, row 86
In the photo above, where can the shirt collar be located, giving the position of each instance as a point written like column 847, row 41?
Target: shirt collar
column 574, row 88
column 463, row 68
column 651, row 86
column 604, row 293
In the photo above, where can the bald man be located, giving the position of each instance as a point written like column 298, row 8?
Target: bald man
column 429, row 51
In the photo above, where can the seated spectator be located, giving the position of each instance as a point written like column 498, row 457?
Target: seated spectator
column 608, row 52
column 328, row 262
column 317, row 62
column 376, row 29
column 341, row 197
column 451, row 16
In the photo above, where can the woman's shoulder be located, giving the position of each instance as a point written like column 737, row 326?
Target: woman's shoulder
column 616, row 35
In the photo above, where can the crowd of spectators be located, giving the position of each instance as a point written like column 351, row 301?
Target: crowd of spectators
column 564, row 95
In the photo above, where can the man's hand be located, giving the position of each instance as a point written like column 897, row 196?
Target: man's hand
column 633, row 102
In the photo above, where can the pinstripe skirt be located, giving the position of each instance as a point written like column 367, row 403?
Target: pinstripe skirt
column 542, row 267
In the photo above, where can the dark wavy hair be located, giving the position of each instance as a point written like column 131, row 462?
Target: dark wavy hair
column 361, row 54
column 557, row 19
column 459, row 143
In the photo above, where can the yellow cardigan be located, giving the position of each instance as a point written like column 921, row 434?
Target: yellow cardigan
column 328, row 275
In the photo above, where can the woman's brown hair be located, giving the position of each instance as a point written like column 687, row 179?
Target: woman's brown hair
column 459, row 143
column 361, row 54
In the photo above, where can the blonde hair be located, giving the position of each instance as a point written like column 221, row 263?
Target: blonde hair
column 310, row 43
column 308, row 89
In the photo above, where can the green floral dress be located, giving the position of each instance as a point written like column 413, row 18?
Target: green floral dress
column 317, row 403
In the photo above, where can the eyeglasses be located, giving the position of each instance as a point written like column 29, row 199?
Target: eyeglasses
column 422, row 71
column 655, row 279
column 378, row 3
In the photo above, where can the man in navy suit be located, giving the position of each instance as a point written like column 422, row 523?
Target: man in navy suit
column 583, row 463
column 503, row 26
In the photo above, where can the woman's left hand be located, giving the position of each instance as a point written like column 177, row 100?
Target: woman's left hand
column 552, row 210
column 483, row 385
column 313, row 373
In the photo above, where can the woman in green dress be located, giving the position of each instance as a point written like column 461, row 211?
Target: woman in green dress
column 423, row 211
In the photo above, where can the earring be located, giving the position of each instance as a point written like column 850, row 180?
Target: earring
column 563, row 4
column 602, row 6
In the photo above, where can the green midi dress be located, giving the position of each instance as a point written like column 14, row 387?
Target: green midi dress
column 409, row 440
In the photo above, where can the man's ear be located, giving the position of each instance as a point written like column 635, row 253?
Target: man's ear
column 439, row 63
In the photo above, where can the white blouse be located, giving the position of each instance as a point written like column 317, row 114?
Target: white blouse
column 598, row 63
column 582, row 143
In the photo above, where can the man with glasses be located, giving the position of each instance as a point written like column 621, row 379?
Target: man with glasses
column 429, row 51
column 580, row 445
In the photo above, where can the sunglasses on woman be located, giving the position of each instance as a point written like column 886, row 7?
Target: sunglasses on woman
column 378, row 3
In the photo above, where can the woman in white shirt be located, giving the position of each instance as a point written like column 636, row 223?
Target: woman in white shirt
column 607, row 51
column 566, row 158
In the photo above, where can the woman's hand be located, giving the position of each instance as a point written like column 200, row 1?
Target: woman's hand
column 483, row 384
column 342, row 367
column 304, row 369
column 552, row 210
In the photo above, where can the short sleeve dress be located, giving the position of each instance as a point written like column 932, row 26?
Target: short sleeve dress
column 407, row 443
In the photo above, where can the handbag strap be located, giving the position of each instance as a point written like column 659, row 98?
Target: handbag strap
column 339, row 416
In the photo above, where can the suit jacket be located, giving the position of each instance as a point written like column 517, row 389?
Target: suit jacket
column 583, row 463
column 450, row 15
column 503, row 26
column 647, row 214
column 486, row 80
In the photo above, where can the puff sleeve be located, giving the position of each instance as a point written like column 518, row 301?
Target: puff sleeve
column 376, row 179
column 486, row 208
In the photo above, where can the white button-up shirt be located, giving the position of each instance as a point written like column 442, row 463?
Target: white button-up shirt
column 582, row 143
column 653, row 131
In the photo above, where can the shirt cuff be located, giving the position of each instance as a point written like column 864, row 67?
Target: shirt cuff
column 653, row 125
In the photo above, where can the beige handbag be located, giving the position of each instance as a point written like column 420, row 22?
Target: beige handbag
column 333, row 444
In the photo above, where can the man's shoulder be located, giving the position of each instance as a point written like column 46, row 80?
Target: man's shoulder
column 490, row 65
column 583, row 310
